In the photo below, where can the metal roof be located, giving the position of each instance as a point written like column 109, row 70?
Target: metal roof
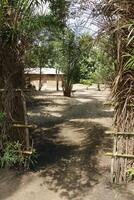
column 44, row 70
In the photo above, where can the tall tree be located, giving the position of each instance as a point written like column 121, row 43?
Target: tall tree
column 16, row 27
column 71, row 55
column 116, row 17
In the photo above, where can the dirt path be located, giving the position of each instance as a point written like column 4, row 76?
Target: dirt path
column 71, row 143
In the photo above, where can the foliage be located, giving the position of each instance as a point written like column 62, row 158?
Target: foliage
column 17, row 20
column 131, row 172
column 18, row 25
column 86, row 63
column 86, row 82
column 116, row 20
column 30, row 161
column 129, row 57
column 103, row 73
column 59, row 9
column 130, row 61
column 12, row 156
column 71, row 67
column 37, row 56
column 96, row 63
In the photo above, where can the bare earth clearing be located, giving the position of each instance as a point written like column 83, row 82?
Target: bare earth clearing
column 71, row 143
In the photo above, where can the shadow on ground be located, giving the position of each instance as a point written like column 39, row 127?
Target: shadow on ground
column 69, row 168
column 70, row 108
column 9, row 182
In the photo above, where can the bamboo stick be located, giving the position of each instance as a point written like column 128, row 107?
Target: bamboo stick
column 24, row 126
column 17, row 90
column 119, row 133
column 113, row 160
column 126, row 160
column 27, row 152
column 26, row 120
column 119, row 155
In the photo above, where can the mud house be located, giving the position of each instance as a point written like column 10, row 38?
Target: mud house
column 48, row 77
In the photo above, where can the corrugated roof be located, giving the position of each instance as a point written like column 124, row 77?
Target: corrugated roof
column 44, row 70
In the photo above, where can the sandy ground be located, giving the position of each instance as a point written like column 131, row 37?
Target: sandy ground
column 71, row 144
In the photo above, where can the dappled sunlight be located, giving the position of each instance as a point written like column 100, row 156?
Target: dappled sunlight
column 66, row 99
column 74, row 168
column 69, row 139
column 61, row 109
column 72, row 134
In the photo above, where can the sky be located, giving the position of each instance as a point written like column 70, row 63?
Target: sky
column 83, row 24
column 80, row 21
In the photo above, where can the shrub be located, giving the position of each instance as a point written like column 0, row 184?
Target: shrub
column 86, row 81
column 131, row 172
column 12, row 155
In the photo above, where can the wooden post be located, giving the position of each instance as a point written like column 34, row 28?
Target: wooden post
column 113, row 159
column 57, row 79
column 40, row 79
column 26, row 121
column 122, row 157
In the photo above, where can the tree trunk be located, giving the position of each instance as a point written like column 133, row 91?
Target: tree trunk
column 67, row 92
column 40, row 79
column 12, row 77
column 67, row 88
column 98, row 87
column 57, row 79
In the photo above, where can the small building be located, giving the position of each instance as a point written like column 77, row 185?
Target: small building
column 48, row 76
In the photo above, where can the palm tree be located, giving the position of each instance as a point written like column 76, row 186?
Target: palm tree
column 118, row 23
column 16, row 28
column 118, row 16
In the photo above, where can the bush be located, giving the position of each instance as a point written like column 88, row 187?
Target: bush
column 86, row 81
column 12, row 155
column 131, row 172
